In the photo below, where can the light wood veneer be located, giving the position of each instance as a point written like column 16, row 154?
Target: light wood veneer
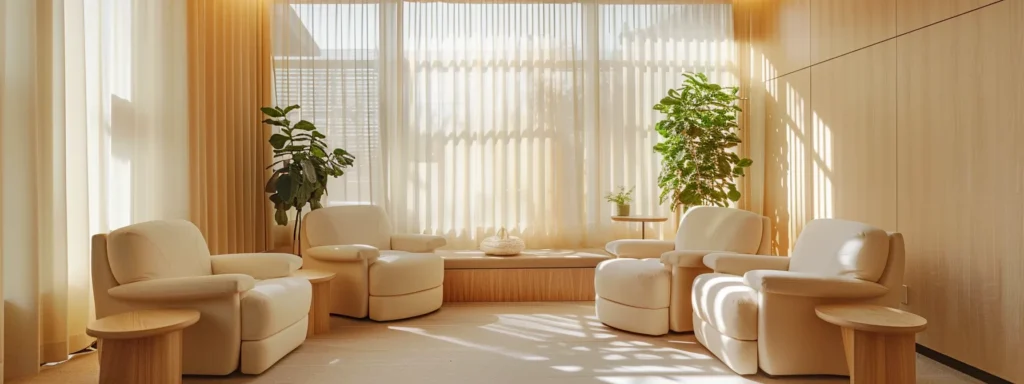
column 538, row 284
column 319, row 310
column 879, row 341
column 142, row 346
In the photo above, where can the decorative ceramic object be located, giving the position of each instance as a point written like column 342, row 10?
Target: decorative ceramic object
column 502, row 244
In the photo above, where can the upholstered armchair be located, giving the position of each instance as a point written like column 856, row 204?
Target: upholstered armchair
column 758, row 311
column 379, row 274
column 652, row 295
column 251, row 313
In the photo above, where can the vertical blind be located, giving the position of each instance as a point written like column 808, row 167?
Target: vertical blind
column 466, row 117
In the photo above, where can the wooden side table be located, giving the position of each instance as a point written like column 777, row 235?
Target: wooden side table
column 643, row 220
column 879, row 341
column 320, row 310
column 142, row 346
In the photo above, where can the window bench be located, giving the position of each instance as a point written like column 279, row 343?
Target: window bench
column 533, row 275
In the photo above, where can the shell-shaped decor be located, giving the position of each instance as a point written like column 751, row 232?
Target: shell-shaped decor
column 502, row 244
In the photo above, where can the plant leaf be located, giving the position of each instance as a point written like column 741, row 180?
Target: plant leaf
column 304, row 125
column 278, row 140
column 308, row 170
column 271, row 112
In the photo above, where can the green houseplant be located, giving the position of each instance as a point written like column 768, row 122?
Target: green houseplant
column 621, row 198
column 699, row 129
column 304, row 164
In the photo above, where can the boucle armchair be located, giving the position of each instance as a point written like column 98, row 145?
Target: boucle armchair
column 251, row 313
column 380, row 275
column 758, row 311
column 647, row 288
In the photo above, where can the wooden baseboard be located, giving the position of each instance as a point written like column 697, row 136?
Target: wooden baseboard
column 534, row 284
column 959, row 365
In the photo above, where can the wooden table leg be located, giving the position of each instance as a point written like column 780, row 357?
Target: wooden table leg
column 320, row 315
column 882, row 358
column 154, row 359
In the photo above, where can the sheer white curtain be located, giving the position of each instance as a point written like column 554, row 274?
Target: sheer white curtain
column 93, row 138
column 466, row 117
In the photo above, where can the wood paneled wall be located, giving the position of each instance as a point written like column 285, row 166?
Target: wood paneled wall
column 909, row 115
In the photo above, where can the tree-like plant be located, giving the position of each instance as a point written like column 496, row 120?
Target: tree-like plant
column 305, row 163
column 699, row 129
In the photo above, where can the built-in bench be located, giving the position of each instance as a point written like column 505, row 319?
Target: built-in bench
column 533, row 275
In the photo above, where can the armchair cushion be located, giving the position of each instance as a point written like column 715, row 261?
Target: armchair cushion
column 637, row 283
column 724, row 229
column 258, row 265
column 843, row 248
column 273, row 305
column 738, row 264
column 183, row 288
column 157, row 250
column 684, row 258
column 638, row 249
column 810, row 285
column 355, row 252
column 402, row 273
column 417, row 243
column 727, row 304
column 347, row 224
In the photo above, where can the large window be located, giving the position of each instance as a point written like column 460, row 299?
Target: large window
column 470, row 116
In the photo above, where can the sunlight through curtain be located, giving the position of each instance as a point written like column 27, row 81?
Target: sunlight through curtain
column 466, row 116
column 98, row 143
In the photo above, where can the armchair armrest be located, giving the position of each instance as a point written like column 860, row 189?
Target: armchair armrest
column 810, row 285
column 183, row 288
column 417, row 243
column 354, row 252
column 639, row 249
column 685, row 258
column 258, row 265
column 738, row 264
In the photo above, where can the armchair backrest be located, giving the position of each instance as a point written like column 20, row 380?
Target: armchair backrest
column 721, row 229
column 833, row 247
column 157, row 250
column 347, row 224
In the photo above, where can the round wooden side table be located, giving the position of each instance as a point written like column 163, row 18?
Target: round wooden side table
column 142, row 346
column 643, row 220
column 879, row 341
column 320, row 309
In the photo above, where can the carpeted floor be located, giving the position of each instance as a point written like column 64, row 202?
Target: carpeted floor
column 492, row 343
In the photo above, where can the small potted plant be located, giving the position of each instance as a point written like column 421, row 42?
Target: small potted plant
column 621, row 198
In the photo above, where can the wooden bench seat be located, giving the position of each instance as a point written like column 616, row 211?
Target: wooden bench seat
column 533, row 275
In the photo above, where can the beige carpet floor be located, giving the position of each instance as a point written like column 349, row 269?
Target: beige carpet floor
column 493, row 343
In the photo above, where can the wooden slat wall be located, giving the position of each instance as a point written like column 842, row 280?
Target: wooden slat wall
column 229, row 80
column 907, row 114
column 536, row 284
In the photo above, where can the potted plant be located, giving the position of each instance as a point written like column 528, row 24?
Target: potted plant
column 700, row 128
column 621, row 198
column 304, row 164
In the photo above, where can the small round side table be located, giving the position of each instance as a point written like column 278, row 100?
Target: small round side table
column 879, row 341
column 643, row 220
column 320, row 309
column 141, row 346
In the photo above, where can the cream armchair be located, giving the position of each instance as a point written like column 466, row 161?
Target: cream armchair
column 380, row 275
column 652, row 295
column 758, row 311
column 251, row 313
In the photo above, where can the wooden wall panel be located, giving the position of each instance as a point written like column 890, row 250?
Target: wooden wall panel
column 532, row 284
column 842, row 26
column 914, row 14
column 961, row 170
column 787, row 157
column 853, row 136
column 785, row 30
